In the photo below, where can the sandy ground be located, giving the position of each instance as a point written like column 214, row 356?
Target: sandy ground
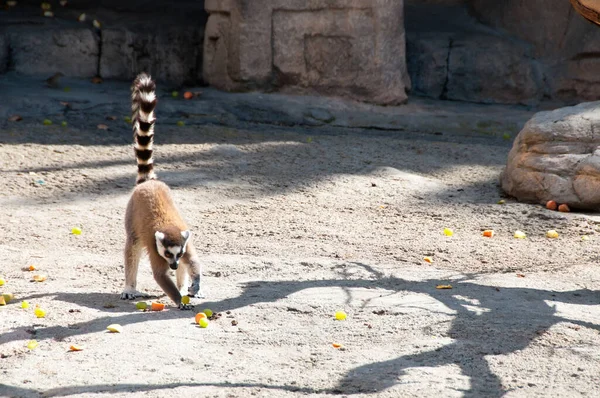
column 293, row 224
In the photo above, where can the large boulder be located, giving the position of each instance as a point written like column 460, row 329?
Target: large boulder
column 557, row 157
column 352, row 48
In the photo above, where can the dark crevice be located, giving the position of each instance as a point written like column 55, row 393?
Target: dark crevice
column 444, row 95
column 99, row 31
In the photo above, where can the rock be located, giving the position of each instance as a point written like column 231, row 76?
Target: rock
column 45, row 50
column 427, row 55
column 490, row 69
column 557, row 157
column 352, row 48
column 171, row 54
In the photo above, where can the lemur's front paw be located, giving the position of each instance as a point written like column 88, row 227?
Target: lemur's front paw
column 185, row 307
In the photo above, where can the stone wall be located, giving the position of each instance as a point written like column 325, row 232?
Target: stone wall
column 511, row 51
column 353, row 48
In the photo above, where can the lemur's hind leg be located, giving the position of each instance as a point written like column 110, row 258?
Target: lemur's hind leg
column 194, row 271
column 133, row 253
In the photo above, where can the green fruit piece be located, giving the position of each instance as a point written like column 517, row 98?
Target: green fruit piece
column 47, row 122
column 8, row 297
column 141, row 305
column 63, row 124
column 180, row 123
column 208, row 312
column 175, row 94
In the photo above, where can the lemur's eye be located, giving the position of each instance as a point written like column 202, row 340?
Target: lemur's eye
column 179, row 255
column 168, row 254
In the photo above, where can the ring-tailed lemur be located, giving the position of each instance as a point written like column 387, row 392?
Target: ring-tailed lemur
column 152, row 220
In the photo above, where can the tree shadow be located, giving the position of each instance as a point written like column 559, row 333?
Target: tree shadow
column 509, row 320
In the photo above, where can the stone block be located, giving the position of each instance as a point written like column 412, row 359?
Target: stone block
column 171, row 54
column 45, row 50
column 352, row 48
column 557, row 157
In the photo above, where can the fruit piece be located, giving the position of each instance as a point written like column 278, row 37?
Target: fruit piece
column 115, row 328
column 203, row 322
column 48, row 14
column 47, row 122
column 551, row 205
column 2, row 302
column 175, row 94
column 24, row 304
column 188, row 95
column 448, row 232
column 520, row 235
column 8, row 297
column 185, row 300
column 96, row 24
column 75, row 348
column 428, row 260
column 337, row 345
column 156, row 306
column 501, row 201
column 2, row 281
column 552, row 234
column 506, row 136
column 32, row 268
column 208, row 312
column 40, row 313
column 488, row 233
column 11, row 3
column 81, row 17
column 443, row 287
column 97, row 80
column 76, row 231
column 63, row 124
column 340, row 315
column 127, row 119
column 38, row 278
column 585, row 237
column 46, row 6
column 102, row 127
column 141, row 305
column 564, row 208
column 180, row 123
column 32, row 344
column 200, row 315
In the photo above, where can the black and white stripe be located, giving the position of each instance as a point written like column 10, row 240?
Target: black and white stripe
column 143, row 102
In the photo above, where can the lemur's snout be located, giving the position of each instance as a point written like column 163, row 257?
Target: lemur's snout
column 174, row 265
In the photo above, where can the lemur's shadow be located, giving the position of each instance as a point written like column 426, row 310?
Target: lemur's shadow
column 509, row 320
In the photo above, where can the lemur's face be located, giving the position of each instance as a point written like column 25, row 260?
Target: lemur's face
column 171, row 248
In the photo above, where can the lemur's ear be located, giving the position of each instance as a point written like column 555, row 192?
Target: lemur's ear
column 159, row 235
column 186, row 236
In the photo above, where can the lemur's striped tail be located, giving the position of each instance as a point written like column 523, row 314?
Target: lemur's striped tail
column 143, row 102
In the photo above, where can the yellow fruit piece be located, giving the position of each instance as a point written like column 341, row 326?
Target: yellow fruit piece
column 81, row 17
column 115, row 328
column 40, row 313
column 208, row 312
column 443, row 287
column 75, row 348
column 200, row 315
column 46, row 6
column 24, row 304
column 203, row 322
column 448, row 232
column 185, row 299
column 340, row 315
column 520, row 235
column 32, row 344
column 8, row 297
column 141, row 305
column 76, row 231
column 47, row 122
column 38, row 278
column 552, row 234
column 428, row 260
column 2, row 281
column 585, row 237
column 96, row 24
column 501, row 201
column 180, row 123
column 2, row 302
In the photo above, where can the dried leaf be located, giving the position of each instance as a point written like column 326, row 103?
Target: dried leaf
column 97, row 80
column 39, row 278
column 520, row 275
column 15, row 118
column 111, row 118
column 102, row 127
